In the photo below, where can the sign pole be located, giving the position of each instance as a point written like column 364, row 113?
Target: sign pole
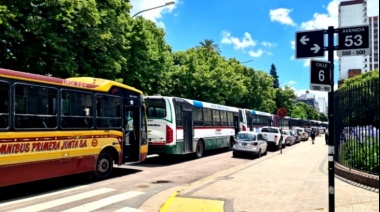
column 331, row 171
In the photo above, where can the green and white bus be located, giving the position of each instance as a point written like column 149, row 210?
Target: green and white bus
column 179, row 126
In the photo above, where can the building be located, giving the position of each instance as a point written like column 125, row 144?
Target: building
column 309, row 99
column 353, row 13
column 322, row 105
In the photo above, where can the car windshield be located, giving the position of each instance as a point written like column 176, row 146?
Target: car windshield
column 299, row 130
column 246, row 136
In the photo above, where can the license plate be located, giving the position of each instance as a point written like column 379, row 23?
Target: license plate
column 244, row 144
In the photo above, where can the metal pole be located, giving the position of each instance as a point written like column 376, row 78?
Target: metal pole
column 166, row 4
column 331, row 174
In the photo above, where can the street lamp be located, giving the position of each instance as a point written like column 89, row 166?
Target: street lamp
column 247, row 61
column 166, row 4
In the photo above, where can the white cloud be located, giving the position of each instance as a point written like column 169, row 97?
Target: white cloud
column 281, row 15
column 154, row 14
column 257, row 53
column 268, row 44
column 293, row 44
column 245, row 42
column 323, row 21
column 291, row 82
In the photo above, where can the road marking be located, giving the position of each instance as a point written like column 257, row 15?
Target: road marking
column 104, row 202
column 62, row 201
column 128, row 209
column 11, row 202
column 190, row 205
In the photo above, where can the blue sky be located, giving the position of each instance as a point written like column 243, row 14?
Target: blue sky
column 262, row 31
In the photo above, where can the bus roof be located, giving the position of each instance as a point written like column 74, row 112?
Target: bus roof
column 197, row 103
column 256, row 112
column 90, row 83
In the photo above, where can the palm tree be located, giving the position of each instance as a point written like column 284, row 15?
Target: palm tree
column 209, row 45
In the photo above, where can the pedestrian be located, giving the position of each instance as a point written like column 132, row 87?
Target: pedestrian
column 327, row 137
column 312, row 136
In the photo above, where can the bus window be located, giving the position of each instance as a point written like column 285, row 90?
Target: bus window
column 35, row 107
column 4, row 105
column 108, row 111
column 76, row 110
column 156, row 108
column 198, row 116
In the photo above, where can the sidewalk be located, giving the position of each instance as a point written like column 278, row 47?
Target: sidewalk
column 296, row 180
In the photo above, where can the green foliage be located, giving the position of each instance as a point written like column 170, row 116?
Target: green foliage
column 149, row 57
column 284, row 98
column 304, row 111
column 323, row 117
column 273, row 73
column 366, row 77
column 209, row 45
column 359, row 97
column 362, row 156
column 65, row 38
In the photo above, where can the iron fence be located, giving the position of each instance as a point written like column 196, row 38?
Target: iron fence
column 356, row 123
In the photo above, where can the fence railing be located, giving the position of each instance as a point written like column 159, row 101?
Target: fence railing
column 356, row 123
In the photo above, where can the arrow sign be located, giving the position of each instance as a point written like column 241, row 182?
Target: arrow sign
column 304, row 39
column 316, row 48
column 310, row 44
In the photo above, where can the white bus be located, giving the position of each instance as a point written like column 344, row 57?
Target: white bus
column 179, row 126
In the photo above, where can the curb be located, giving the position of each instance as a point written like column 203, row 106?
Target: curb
column 357, row 176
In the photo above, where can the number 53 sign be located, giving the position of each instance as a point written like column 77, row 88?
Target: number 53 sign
column 320, row 75
column 353, row 41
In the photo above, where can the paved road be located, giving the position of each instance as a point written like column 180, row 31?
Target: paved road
column 296, row 180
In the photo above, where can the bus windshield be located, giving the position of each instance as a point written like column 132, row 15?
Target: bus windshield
column 156, row 108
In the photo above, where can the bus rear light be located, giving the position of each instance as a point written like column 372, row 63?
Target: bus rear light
column 169, row 134
column 244, row 128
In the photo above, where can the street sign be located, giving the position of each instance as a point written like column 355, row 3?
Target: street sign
column 353, row 41
column 320, row 75
column 309, row 44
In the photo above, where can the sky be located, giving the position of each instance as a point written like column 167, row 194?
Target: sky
column 255, row 32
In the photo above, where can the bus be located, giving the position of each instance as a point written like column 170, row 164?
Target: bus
column 52, row 127
column 180, row 126
column 257, row 119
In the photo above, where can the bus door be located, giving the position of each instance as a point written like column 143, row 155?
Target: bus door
column 236, row 123
column 249, row 120
column 188, row 126
column 132, row 129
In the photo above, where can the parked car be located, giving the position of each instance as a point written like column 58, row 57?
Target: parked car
column 273, row 136
column 298, row 138
column 308, row 130
column 289, row 137
column 304, row 136
column 251, row 143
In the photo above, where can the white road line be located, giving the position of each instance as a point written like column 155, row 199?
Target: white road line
column 40, row 196
column 62, row 201
column 104, row 202
column 128, row 209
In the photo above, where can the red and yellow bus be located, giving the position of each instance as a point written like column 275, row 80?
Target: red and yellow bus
column 51, row 127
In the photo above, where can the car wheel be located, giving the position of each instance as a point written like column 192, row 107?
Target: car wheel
column 259, row 154
column 234, row 154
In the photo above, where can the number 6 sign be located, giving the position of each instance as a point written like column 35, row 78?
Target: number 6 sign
column 320, row 75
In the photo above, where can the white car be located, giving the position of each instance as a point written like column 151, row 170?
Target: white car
column 248, row 142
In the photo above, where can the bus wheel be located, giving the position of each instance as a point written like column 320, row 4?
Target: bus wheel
column 104, row 166
column 200, row 149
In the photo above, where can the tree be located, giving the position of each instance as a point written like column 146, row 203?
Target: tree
column 285, row 98
column 65, row 38
column 149, row 57
column 209, row 45
column 273, row 72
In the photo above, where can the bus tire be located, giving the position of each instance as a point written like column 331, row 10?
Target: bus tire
column 199, row 151
column 104, row 166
